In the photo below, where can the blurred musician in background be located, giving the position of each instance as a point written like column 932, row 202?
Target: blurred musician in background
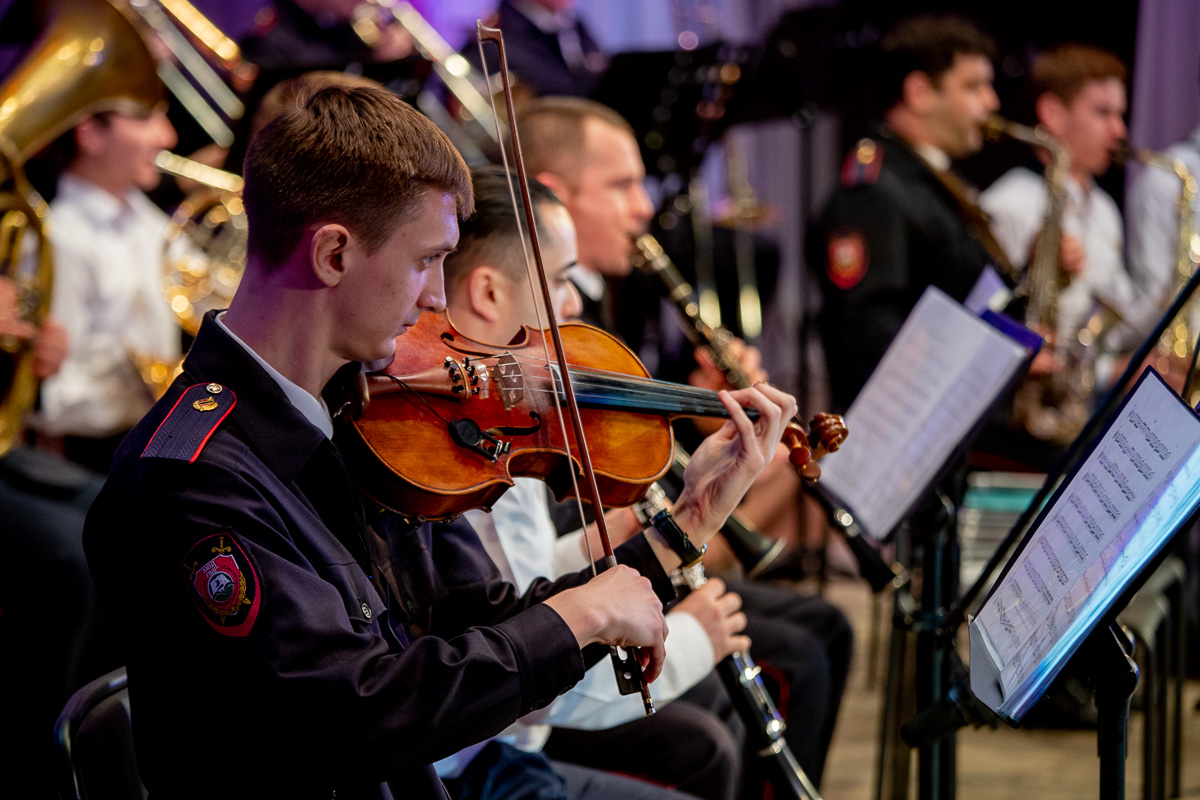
column 587, row 155
column 549, row 48
column 901, row 219
column 49, row 628
column 1079, row 93
column 319, row 34
column 108, row 243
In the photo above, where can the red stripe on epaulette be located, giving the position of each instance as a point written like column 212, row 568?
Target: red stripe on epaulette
column 191, row 422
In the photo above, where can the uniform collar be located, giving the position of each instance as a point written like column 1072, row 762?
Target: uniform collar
column 937, row 159
column 314, row 410
column 276, row 429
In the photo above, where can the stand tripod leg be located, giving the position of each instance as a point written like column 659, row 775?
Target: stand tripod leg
column 940, row 562
column 1114, row 676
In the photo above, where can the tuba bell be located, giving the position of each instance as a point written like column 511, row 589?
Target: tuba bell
column 88, row 59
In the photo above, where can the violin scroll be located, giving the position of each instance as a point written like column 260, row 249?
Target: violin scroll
column 829, row 431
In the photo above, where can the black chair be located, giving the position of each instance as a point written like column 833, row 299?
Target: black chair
column 93, row 741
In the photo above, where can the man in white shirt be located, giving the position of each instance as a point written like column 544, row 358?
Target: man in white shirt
column 488, row 298
column 1152, row 219
column 108, row 241
column 1080, row 101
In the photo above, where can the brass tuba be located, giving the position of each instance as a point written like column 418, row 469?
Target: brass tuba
column 88, row 59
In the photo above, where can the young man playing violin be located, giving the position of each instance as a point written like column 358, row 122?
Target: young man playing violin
column 268, row 654
column 588, row 156
column 685, row 745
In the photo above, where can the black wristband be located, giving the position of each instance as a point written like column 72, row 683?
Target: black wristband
column 678, row 541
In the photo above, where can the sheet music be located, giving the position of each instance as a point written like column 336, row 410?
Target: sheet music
column 938, row 378
column 1136, row 487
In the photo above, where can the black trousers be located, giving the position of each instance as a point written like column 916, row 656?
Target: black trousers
column 693, row 744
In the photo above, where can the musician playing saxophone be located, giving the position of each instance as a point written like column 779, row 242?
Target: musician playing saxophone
column 1080, row 101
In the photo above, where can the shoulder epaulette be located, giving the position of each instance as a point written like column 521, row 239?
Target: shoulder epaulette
column 863, row 163
column 191, row 422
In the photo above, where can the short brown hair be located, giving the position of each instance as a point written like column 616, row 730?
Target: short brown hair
column 490, row 235
column 927, row 44
column 295, row 91
column 552, row 130
column 1064, row 70
column 358, row 156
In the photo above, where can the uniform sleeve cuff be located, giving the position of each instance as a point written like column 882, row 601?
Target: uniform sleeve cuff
column 547, row 653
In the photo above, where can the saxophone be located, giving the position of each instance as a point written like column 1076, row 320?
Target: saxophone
column 1177, row 341
column 1052, row 407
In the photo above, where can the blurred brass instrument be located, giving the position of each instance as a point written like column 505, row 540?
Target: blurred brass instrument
column 204, row 255
column 1179, row 339
column 198, row 87
column 89, row 58
column 473, row 128
column 1052, row 407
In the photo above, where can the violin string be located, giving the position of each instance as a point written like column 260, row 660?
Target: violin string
column 630, row 383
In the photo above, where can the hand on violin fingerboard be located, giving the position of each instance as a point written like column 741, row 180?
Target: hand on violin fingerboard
column 728, row 462
column 707, row 375
column 617, row 607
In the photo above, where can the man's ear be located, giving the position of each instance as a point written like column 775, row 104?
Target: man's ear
column 918, row 91
column 329, row 245
column 486, row 290
column 88, row 136
column 555, row 184
column 1051, row 113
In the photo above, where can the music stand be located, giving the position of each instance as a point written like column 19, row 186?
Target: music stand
column 1092, row 546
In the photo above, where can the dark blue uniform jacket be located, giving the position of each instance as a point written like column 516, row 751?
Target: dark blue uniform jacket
column 267, row 657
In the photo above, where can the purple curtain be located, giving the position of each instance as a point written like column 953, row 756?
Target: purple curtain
column 1165, row 101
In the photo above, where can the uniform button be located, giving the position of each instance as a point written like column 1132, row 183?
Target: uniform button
column 366, row 609
column 214, row 388
column 411, row 606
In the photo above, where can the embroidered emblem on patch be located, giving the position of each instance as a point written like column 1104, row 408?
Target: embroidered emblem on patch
column 847, row 259
column 223, row 583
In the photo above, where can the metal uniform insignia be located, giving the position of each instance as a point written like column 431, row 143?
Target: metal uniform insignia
column 191, row 422
column 223, row 584
column 846, row 262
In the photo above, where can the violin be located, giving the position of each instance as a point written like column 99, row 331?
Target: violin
column 448, row 425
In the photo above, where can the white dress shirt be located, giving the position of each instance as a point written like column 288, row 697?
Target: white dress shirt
column 520, row 537
column 1017, row 206
column 107, row 293
column 1152, row 219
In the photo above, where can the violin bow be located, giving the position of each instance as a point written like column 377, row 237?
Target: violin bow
column 627, row 666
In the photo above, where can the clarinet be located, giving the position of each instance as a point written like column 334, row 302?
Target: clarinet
column 738, row 671
column 650, row 258
column 743, row 681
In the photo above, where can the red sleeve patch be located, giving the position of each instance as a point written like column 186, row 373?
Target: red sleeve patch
column 223, row 584
column 846, row 262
